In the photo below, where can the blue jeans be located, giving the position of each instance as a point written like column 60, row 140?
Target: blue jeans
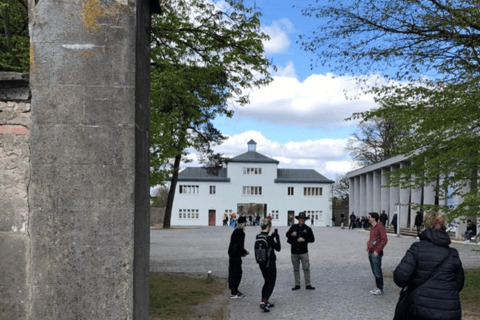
column 376, row 264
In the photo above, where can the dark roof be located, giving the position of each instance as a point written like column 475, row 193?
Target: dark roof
column 300, row 176
column 251, row 142
column 200, row 174
column 253, row 157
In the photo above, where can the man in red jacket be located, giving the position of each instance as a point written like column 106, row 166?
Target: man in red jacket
column 376, row 242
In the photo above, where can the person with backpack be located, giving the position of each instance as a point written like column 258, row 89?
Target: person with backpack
column 236, row 251
column 299, row 236
column 265, row 247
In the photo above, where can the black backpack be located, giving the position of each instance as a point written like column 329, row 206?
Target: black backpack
column 262, row 249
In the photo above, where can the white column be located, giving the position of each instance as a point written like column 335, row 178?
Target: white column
column 377, row 191
column 369, row 192
column 385, row 194
column 363, row 195
column 404, row 201
column 416, row 199
column 351, row 196
column 429, row 193
column 394, row 197
column 357, row 195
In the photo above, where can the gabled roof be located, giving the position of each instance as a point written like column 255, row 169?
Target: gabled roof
column 300, row 176
column 252, row 157
column 201, row 174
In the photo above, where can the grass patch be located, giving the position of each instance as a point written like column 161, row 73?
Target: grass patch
column 173, row 296
column 470, row 295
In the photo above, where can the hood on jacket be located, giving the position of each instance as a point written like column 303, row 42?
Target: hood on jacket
column 436, row 236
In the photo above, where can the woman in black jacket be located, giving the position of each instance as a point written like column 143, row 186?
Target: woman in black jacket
column 438, row 298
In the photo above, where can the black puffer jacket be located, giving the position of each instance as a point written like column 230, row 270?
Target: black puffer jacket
column 438, row 298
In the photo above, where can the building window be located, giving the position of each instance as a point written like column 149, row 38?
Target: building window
column 290, row 191
column 212, row 190
column 254, row 191
column 186, row 189
column 188, row 213
column 252, row 170
column 309, row 191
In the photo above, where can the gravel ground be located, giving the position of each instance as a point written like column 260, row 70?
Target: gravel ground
column 339, row 269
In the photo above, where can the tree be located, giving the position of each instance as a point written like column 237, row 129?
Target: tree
column 204, row 57
column 373, row 142
column 432, row 46
column 341, row 187
column 14, row 38
column 160, row 196
column 399, row 39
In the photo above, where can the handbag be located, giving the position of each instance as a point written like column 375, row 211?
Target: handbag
column 404, row 301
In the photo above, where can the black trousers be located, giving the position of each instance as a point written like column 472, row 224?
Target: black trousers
column 234, row 274
column 270, row 276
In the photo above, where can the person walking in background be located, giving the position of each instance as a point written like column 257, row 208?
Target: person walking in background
column 236, row 251
column 299, row 236
column 433, row 273
column 313, row 221
column 333, row 221
column 384, row 218
column 375, row 244
column 352, row 221
column 394, row 223
column 471, row 231
column 342, row 220
column 225, row 220
column 233, row 221
column 419, row 222
column 269, row 269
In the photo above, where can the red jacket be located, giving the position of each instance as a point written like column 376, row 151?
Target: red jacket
column 378, row 238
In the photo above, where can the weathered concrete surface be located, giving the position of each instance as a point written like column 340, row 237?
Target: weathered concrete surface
column 82, row 250
column 157, row 215
column 15, row 124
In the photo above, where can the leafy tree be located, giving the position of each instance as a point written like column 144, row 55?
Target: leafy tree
column 203, row 58
column 160, row 196
column 341, row 187
column 14, row 38
column 432, row 47
column 373, row 142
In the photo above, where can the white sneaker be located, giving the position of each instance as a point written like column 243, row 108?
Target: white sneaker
column 376, row 291
column 466, row 241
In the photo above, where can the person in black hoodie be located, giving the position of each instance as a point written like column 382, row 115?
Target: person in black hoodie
column 269, row 270
column 299, row 236
column 236, row 250
column 438, row 298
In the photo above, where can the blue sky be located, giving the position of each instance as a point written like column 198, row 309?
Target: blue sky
column 299, row 118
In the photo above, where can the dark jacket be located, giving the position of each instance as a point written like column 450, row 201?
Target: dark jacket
column 304, row 232
column 394, row 220
column 418, row 220
column 236, row 249
column 438, row 298
column 383, row 218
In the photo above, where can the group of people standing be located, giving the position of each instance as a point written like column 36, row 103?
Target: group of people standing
column 430, row 274
column 298, row 236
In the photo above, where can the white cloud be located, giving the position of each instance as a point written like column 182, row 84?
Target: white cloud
column 278, row 32
column 318, row 102
column 326, row 156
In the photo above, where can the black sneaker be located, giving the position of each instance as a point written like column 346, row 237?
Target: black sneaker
column 270, row 305
column 264, row 307
column 310, row 288
column 296, row 288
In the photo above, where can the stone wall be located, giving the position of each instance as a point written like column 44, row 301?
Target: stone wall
column 15, row 126
column 157, row 215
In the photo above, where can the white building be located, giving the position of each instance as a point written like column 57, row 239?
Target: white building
column 251, row 180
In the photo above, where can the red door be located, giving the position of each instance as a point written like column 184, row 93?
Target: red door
column 211, row 217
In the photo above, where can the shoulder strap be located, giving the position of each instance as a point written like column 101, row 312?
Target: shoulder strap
column 430, row 276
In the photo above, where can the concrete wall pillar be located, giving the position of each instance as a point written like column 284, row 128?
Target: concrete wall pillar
column 429, row 193
column 385, row 193
column 369, row 192
column 377, row 177
column 363, row 195
column 89, row 193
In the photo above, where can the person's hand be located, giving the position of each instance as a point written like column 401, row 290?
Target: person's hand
column 301, row 239
column 375, row 254
column 294, row 234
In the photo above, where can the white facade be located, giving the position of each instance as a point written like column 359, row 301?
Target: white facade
column 252, row 182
